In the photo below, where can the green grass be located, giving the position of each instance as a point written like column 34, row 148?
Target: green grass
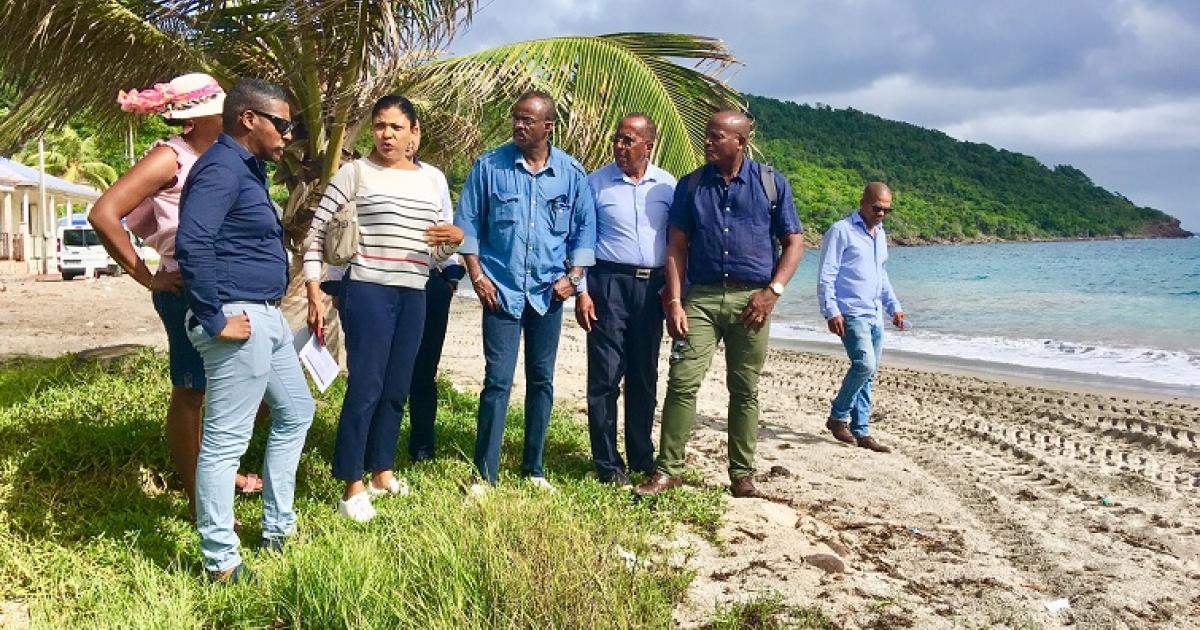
column 92, row 531
column 768, row 611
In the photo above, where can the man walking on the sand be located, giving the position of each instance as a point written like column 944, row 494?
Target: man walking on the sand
column 853, row 290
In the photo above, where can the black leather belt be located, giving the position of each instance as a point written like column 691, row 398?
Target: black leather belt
column 641, row 273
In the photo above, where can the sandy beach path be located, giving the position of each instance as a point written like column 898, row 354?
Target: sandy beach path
column 1000, row 497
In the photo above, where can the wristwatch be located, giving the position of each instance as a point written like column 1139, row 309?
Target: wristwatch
column 575, row 280
column 776, row 288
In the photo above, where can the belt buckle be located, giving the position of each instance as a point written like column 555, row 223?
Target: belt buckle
column 643, row 274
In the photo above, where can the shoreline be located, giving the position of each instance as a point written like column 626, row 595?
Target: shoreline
column 991, row 240
column 1011, row 374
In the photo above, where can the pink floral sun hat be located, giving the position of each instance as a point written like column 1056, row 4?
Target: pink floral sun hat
column 187, row 96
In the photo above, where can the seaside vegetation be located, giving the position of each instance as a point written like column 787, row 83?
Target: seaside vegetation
column 93, row 534
column 944, row 189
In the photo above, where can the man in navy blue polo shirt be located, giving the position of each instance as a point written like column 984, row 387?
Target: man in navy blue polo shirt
column 723, row 232
column 230, row 251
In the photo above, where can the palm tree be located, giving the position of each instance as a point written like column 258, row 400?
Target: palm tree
column 72, row 158
column 335, row 57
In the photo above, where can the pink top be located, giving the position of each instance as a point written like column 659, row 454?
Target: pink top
column 156, row 219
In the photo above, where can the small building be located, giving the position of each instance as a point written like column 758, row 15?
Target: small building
column 29, row 225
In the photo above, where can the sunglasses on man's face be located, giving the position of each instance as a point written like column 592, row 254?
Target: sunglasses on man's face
column 881, row 209
column 282, row 125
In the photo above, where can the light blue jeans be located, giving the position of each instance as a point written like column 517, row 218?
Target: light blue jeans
column 240, row 374
column 864, row 345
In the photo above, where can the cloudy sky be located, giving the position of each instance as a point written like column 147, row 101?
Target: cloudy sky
column 1110, row 86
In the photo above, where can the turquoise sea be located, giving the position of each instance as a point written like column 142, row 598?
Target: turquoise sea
column 1113, row 309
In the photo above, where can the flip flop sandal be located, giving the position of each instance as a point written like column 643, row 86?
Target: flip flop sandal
column 252, row 485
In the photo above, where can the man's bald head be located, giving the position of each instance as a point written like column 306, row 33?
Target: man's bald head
column 725, row 139
column 876, row 203
column 733, row 122
column 876, row 191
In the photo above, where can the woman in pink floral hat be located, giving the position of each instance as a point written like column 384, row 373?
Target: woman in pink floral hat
column 146, row 198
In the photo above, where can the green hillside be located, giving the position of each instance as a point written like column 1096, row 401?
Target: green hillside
column 944, row 189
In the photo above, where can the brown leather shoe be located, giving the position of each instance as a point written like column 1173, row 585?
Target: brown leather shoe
column 743, row 488
column 658, row 482
column 872, row 444
column 840, row 430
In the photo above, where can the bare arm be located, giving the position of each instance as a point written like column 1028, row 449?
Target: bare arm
column 789, row 260
column 150, row 175
column 483, row 285
column 677, row 257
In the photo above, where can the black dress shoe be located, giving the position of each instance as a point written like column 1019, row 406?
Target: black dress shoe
column 658, row 482
column 618, row 479
column 840, row 430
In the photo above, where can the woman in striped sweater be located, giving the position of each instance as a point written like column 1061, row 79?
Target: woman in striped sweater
column 381, row 299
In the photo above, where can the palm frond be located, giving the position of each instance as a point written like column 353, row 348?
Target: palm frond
column 597, row 80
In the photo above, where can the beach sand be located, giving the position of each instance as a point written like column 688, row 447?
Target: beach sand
column 999, row 497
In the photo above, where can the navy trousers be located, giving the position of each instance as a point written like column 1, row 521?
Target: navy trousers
column 623, row 345
column 383, row 327
column 423, row 397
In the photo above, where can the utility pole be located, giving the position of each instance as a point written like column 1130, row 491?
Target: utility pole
column 49, row 216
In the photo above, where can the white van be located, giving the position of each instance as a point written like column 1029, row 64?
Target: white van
column 80, row 252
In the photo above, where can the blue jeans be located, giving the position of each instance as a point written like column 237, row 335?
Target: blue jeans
column 187, row 368
column 501, row 338
column 864, row 345
column 240, row 374
column 383, row 331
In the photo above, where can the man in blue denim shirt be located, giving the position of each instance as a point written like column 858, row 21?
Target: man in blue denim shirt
column 530, row 227
column 853, row 290
column 230, row 252
column 723, row 232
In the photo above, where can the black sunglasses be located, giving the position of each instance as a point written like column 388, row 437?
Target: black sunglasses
column 881, row 209
column 282, row 125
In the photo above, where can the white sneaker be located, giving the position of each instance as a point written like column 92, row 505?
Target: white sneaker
column 357, row 508
column 540, row 483
column 395, row 487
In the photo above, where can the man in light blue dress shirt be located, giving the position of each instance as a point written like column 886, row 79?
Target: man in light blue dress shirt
column 619, row 303
column 853, row 292
column 530, row 225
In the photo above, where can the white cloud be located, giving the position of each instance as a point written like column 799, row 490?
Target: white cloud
column 1028, row 117
column 1164, row 126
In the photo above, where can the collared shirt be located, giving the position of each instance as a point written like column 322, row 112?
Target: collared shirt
column 526, row 226
column 852, row 281
column 631, row 217
column 730, row 227
column 230, row 242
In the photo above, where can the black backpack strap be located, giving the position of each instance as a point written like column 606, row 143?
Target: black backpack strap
column 767, row 175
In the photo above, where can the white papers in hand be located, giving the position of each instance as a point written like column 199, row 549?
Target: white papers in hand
column 316, row 358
